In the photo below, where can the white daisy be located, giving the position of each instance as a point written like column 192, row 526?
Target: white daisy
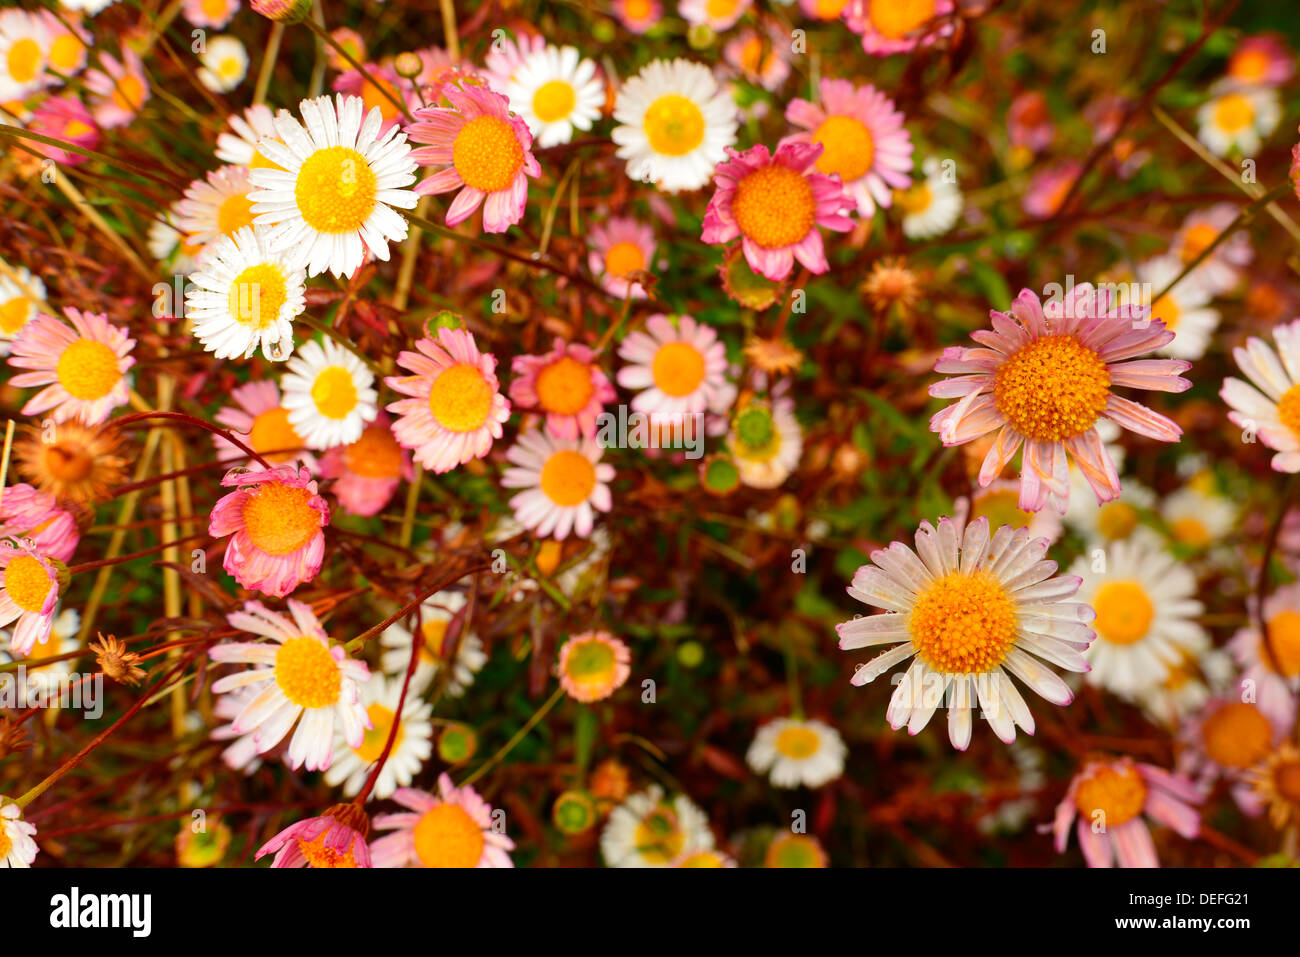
column 332, row 199
column 1184, row 309
column 436, row 615
column 328, row 392
column 225, row 64
column 412, row 744
column 239, row 148
column 24, row 41
column 1198, row 517
column 1119, row 519
column 765, row 442
column 675, row 124
column 564, row 483
column 1203, row 672
column 243, row 296
column 218, row 205
column 794, row 752
column 556, row 92
column 648, row 830
column 932, row 206
column 1238, row 116
column 1145, row 616
column 17, row 849
column 18, row 304
column 1268, row 406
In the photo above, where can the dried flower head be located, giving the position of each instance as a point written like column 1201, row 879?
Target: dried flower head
column 71, row 460
column 116, row 662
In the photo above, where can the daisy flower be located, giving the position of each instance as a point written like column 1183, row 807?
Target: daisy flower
column 619, row 247
column 566, row 385
column 1276, row 785
column 239, row 148
column 299, row 674
column 118, row 89
column 637, row 16
column 863, row 140
column 51, row 677
column 1237, row 116
column 680, row 370
column 217, row 205
column 29, row 591
column 453, row 828
column 225, row 64
column 1225, row 740
column 209, row 13
column 794, row 752
column 241, row 754
column 716, row 14
column 1043, row 378
column 243, row 296
column 1197, row 518
column 774, row 204
column 1145, row 616
column 486, row 153
column 556, row 93
column 760, row 57
column 335, row 839
column 507, row 55
column 674, row 124
column 931, row 207
column 1000, row 504
column 593, row 665
column 29, row 513
column 164, row 239
column 969, row 610
column 368, row 471
column 83, row 367
column 435, row 618
column 412, row 743
column 1184, row 308
column 18, row 304
column 69, row 43
column 1203, row 672
column 898, row 26
column 1110, row 798
column 274, row 519
column 259, row 421
column 1120, row 519
column 1223, row 269
column 24, row 46
column 1260, row 60
column 1273, row 667
column 1269, row 404
column 332, row 199
column 1048, row 189
column 649, row 830
column 329, row 394
column 823, row 9
column 795, row 850
column 564, row 483
column 17, row 849
column 64, row 118
column 456, row 409
column 765, row 442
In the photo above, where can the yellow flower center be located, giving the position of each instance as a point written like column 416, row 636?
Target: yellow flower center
column 554, row 100
column 88, row 369
column 916, row 199
column 830, row 9
column 678, row 368
column 1166, row 309
column 1288, row 409
column 128, row 92
column 636, row 9
column 591, row 663
column 1116, row 520
column 257, row 295
column 1284, row 641
column 376, row 455
column 234, row 213
column 702, row 859
column 318, row 855
column 774, row 206
column 272, row 430
column 1234, row 112
column 1117, row 791
column 6, row 845
column 1195, row 241
column 214, row 9
column 279, row 518
column 335, row 190
column 460, row 398
column 673, row 125
column 307, row 673
column 434, row 632
column 66, row 52
column 897, row 18
column 1237, row 735
column 24, row 60
column 76, row 128
column 568, row 477
column 624, row 258
column 1190, row 531
column 334, row 392
column 27, row 583
column 797, row 743
column 1250, row 64
column 718, row 9
column 963, row 623
column 259, row 161
column 659, row 838
column 847, row 147
column 1286, row 781
column 14, row 314
column 1052, row 389
column 373, row 744
column 230, row 68
column 487, row 154
column 446, row 836
column 1124, row 612
column 1002, row 508
column 564, row 387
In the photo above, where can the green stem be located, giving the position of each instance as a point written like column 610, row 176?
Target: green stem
column 509, row 746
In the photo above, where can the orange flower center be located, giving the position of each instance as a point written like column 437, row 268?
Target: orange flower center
column 847, row 147
column 1190, row 531
column 1286, row 780
column 565, row 387
column 279, row 518
column 678, row 368
column 1052, row 389
column 568, row 477
column 460, row 398
column 27, row 583
column 774, row 206
column 1124, row 612
column 272, row 430
column 963, row 623
column 623, row 258
column 372, row 95
column 307, row 673
column 234, row 213
column 897, row 18
column 1237, row 735
column 14, row 314
column 376, row 455
column 446, row 836
column 128, row 93
column 915, row 199
column 1117, row 791
column 487, row 154
column 335, row 190
column 88, row 369
column 1166, row 309
column 1288, row 409
column 1195, row 241
column 318, row 855
column 673, row 125
column 1250, row 64
column 1284, row 641
column 797, row 743
column 720, row 9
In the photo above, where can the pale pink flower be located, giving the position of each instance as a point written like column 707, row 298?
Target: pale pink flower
column 27, row 512
column 335, row 839
column 29, row 592
column 618, row 247
column 593, row 665
column 760, row 57
column 637, row 16
column 1227, row 738
column 564, row 484
column 899, row 26
column 679, row 370
column 368, row 471
column 209, row 13
column 1048, row 189
column 1223, row 269
column 261, row 422
column 1262, row 60
column 118, row 88
column 566, row 385
column 718, row 14
column 1274, row 672
column 1029, row 122
column 83, row 367
column 453, row 828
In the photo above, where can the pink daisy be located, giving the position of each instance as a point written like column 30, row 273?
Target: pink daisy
column 457, row 407
column 209, row 13
column 1273, row 671
column 215, row 206
column 118, row 88
column 299, row 674
column 1109, row 799
column 620, row 247
column 718, row 14
column 760, row 57
column 775, row 205
column 64, row 118
column 564, row 484
column 1227, row 738
column 1029, row 122
column 454, row 828
column 1043, row 378
column 83, row 367
column 863, row 140
column 1222, row 270
column 335, row 839
column 487, row 155
column 681, row 370
column 275, row 520
column 1047, row 190
column 566, row 385
column 898, row 26
column 1262, row 60
column 259, row 420
column 368, row 471
column 29, row 513
column 637, row 16
column 29, row 591
column 593, row 665
column 823, row 9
